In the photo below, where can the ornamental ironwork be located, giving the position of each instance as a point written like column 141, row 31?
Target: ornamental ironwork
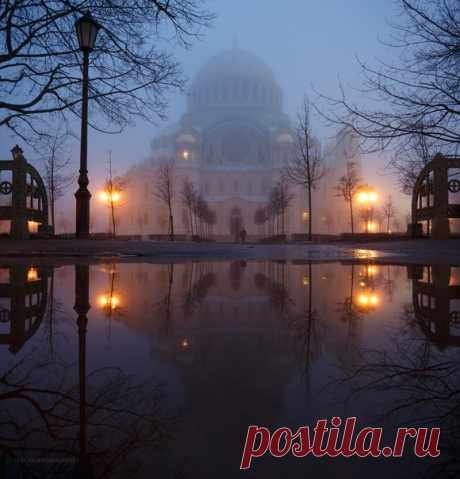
column 431, row 203
column 28, row 201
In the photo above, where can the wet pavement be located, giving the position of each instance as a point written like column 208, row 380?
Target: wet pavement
column 138, row 369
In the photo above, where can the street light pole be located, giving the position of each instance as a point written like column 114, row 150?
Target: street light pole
column 86, row 28
column 83, row 196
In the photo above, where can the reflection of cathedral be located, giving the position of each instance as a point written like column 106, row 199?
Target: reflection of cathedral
column 230, row 142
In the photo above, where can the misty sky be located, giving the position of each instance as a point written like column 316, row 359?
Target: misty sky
column 309, row 44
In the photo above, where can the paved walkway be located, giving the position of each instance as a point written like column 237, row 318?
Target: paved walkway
column 409, row 251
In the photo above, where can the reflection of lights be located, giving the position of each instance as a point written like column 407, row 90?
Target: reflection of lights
column 371, row 226
column 185, row 154
column 364, row 253
column 368, row 300
column 305, row 215
column 109, row 301
column 305, row 281
column 371, row 270
column 33, row 226
column 362, row 284
column 32, row 274
column 185, row 343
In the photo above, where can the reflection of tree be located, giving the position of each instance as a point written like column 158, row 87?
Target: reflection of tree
column 388, row 283
column 96, row 428
column 347, row 310
column 200, row 282
column 163, row 308
column 40, row 419
column 417, row 385
column 305, row 324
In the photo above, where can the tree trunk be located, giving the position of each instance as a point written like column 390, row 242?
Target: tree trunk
column 309, row 214
column 112, row 210
column 351, row 217
column 171, row 224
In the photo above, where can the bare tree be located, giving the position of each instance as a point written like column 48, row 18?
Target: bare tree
column 130, row 72
column 279, row 200
column 347, row 186
column 188, row 196
column 411, row 157
column 306, row 167
column 164, row 189
column 113, row 187
column 417, row 94
column 56, row 164
column 389, row 212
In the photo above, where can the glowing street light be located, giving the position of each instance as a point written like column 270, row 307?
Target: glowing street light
column 367, row 197
column 110, row 197
column 185, row 154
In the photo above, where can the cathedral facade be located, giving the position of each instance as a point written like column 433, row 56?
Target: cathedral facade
column 232, row 142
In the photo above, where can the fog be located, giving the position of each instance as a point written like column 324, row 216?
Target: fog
column 310, row 46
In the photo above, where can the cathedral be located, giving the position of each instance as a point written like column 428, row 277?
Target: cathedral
column 232, row 143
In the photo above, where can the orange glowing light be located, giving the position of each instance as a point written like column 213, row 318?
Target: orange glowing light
column 109, row 301
column 185, row 343
column 107, row 197
column 305, row 216
column 32, row 274
column 306, row 281
column 33, row 226
column 368, row 300
column 371, row 269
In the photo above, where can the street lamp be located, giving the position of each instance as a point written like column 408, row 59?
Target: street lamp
column 86, row 28
column 367, row 196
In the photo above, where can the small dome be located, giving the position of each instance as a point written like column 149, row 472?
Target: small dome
column 235, row 78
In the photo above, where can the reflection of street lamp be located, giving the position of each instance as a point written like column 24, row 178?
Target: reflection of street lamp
column 32, row 274
column 368, row 300
column 87, row 29
column 109, row 302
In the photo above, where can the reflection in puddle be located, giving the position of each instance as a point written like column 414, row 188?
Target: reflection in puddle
column 121, row 370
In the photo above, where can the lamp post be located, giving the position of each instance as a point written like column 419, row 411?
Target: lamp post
column 86, row 28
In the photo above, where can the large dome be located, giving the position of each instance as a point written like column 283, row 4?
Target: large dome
column 235, row 79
